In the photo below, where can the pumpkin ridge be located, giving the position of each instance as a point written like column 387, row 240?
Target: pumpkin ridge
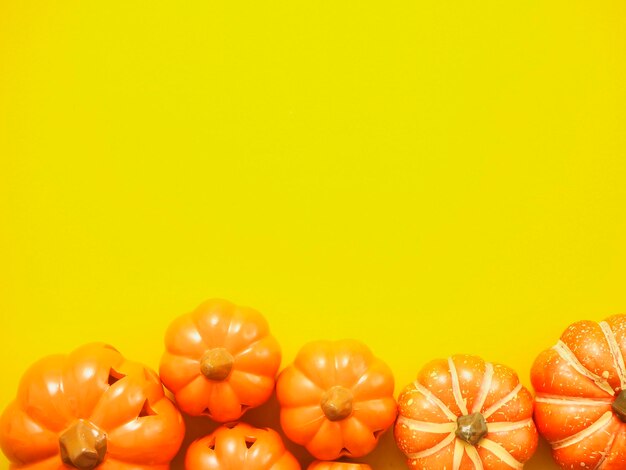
column 251, row 348
column 503, row 401
column 434, row 449
column 555, row 399
column 473, row 455
column 181, row 348
column 263, row 391
column 501, row 453
column 572, row 360
column 196, row 323
column 616, row 353
column 435, row 400
column 607, row 450
column 457, row 455
column 66, row 413
column 427, row 426
column 456, row 387
column 484, row 389
column 508, row 426
column 300, row 361
column 362, row 388
column 234, row 312
column 600, row 423
column 179, row 357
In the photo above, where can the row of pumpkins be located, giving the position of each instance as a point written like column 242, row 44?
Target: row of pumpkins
column 94, row 409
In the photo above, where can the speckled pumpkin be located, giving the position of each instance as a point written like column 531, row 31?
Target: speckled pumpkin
column 463, row 414
column 580, row 406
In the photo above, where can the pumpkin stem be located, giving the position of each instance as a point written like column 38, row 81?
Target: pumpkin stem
column 619, row 406
column 337, row 403
column 83, row 445
column 471, row 428
column 216, row 364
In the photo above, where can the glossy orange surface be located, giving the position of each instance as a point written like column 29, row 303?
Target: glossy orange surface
column 92, row 392
column 581, row 403
column 324, row 465
column 226, row 390
column 336, row 399
column 432, row 409
column 240, row 446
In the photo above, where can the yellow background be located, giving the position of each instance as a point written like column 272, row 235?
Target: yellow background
column 428, row 177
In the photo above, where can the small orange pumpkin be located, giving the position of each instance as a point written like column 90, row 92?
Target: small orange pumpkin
column 580, row 407
column 336, row 399
column 240, row 446
column 464, row 413
column 220, row 360
column 90, row 409
column 324, row 465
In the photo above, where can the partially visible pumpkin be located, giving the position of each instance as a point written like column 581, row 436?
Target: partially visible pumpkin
column 580, row 407
column 90, row 409
column 240, row 447
column 324, row 465
column 463, row 414
column 220, row 360
column 336, row 399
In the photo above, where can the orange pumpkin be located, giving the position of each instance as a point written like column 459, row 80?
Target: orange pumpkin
column 90, row 409
column 324, row 465
column 464, row 414
column 580, row 407
column 240, row 446
column 220, row 360
column 336, row 399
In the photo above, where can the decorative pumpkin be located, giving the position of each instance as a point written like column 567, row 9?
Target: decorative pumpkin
column 464, row 413
column 336, row 399
column 90, row 409
column 324, row 465
column 220, row 360
column 580, row 407
column 240, row 447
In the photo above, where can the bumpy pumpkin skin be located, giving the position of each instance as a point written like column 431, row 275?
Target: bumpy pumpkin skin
column 94, row 388
column 242, row 447
column 336, row 399
column 323, row 465
column 580, row 404
column 220, row 360
column 461, row 389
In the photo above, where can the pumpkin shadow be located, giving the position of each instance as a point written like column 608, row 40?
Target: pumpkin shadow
column 385, row 456
column 264, row 416
column 268, row 416
column 195, row 428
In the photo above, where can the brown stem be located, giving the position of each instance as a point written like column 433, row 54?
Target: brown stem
column 471, row 428
column 216, row 364
column 83, row 445
column 619, row 406
column 337, row 403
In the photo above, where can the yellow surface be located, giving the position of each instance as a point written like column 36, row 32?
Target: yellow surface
column 428, row 177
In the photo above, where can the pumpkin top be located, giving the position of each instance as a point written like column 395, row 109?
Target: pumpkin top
column 336, row 399
column 88, row 407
